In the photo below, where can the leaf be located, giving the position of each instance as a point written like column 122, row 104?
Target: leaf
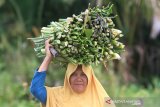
column 88, row 32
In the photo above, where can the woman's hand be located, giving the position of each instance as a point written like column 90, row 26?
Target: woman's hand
column 47, row 49
column 47, row 59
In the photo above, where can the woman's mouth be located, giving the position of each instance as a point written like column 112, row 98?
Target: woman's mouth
column 78, row 84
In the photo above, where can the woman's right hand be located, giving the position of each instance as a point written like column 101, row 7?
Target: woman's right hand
column 48, row 58
column 47, row 49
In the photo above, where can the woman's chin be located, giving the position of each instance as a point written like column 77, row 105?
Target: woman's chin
column 79, row 89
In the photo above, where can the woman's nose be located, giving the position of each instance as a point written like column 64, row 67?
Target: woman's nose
column 79, row 77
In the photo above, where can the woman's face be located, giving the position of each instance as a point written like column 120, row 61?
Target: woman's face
column 78, row 80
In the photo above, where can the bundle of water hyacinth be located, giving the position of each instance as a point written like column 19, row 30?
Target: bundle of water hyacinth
column 89, row 37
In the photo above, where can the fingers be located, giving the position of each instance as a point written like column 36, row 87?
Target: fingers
column 47, row 46
column 47, row 41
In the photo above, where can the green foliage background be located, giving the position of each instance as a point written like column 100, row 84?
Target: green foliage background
column 130, row 77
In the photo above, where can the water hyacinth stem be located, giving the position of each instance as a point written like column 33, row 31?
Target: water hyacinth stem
column 87, row 38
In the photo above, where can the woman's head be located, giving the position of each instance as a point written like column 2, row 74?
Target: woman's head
column 78, row 80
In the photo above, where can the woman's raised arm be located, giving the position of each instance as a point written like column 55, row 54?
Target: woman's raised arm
column 37, row 87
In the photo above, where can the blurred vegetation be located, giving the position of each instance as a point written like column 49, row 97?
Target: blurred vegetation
column 137, row 74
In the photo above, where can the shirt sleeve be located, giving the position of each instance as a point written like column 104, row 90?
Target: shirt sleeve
column 37, row 87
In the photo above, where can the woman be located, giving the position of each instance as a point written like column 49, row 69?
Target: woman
column 81, row 87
